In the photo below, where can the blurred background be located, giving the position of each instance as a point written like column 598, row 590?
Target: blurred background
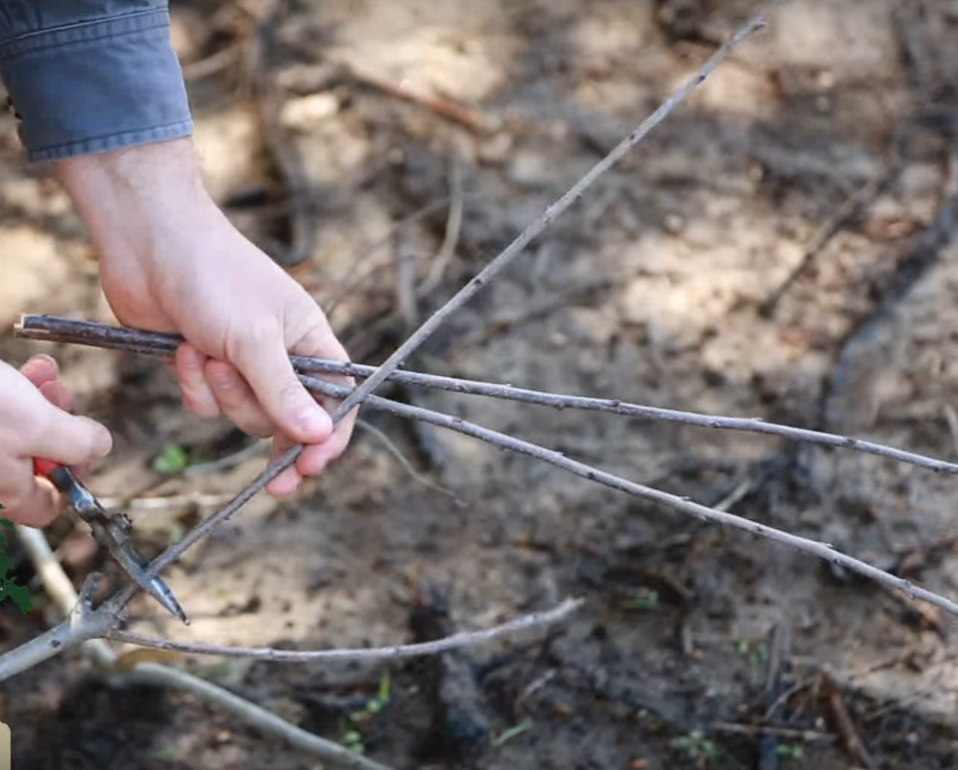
column 781, row 247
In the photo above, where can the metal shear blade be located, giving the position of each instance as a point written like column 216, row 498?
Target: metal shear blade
column 113, row 533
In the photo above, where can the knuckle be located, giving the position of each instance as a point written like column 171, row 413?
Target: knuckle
column 248, row 338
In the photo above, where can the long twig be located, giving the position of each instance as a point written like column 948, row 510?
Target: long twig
column 453, row 224
column 456, row 641
column 683, row 504
column 397, row 454
column 54, row 329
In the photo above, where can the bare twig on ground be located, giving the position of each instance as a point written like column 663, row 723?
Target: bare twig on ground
column 286, row 157
column 849, row 210
column 807, row 736
column 164, row 502
column 846, row 726
column 470, row 118
column 64, row 330
column 407, row 305
column 453, row 224
column 401, row 459
column 211, row 65
column 353, row 281
column 456, row 641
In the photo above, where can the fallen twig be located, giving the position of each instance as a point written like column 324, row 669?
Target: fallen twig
column 354, row 281
column 53, row 329
column 468, row 117
column 284, row 152
column 453, row 224
column 455, row 642
column 849, row 210
column 794, row 734
column 401, row 459
column 846, row 726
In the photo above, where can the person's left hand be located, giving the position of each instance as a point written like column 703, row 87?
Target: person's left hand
column 172, row 262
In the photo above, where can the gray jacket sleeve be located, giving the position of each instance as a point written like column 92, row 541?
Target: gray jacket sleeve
column 87, row 76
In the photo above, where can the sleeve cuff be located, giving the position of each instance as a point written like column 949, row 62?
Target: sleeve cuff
column 97, row 86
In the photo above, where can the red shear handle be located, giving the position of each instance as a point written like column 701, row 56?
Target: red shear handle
column 44, row 467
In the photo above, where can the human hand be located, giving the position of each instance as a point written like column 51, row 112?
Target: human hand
column 172, row 262
column 35, row 422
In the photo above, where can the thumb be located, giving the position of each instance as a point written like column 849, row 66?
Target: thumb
column 65, row 438
column 264, row 363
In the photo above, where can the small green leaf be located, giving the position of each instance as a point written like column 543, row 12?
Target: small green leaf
column 173, row 459
column 512, row 732
column 20, row 596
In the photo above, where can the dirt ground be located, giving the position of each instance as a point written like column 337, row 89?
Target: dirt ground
column 782, row 247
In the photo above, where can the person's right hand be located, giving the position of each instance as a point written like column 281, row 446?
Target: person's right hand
column 35, row 422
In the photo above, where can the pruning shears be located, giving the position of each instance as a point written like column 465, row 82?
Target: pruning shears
column 112, row 531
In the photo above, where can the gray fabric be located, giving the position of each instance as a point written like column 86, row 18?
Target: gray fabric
column 87, row 76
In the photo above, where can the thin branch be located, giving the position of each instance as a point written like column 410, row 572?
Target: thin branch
column 453, row 224
column 52, row 329
column 401, row 459
column 456, row 641
column 683, row 504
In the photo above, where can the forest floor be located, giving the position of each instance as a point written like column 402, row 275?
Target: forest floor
column 782, row 247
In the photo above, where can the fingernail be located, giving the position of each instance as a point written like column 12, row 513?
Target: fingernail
column 103, row 442
column 315, row 422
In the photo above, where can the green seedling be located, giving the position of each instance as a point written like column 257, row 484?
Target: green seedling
column 697, row 748
column 788, row 751
column 755, row 652
column 353, row 740
column 350, row 737
column 172, row 460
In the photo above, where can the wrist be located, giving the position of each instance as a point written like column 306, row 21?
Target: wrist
column 136, row 199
